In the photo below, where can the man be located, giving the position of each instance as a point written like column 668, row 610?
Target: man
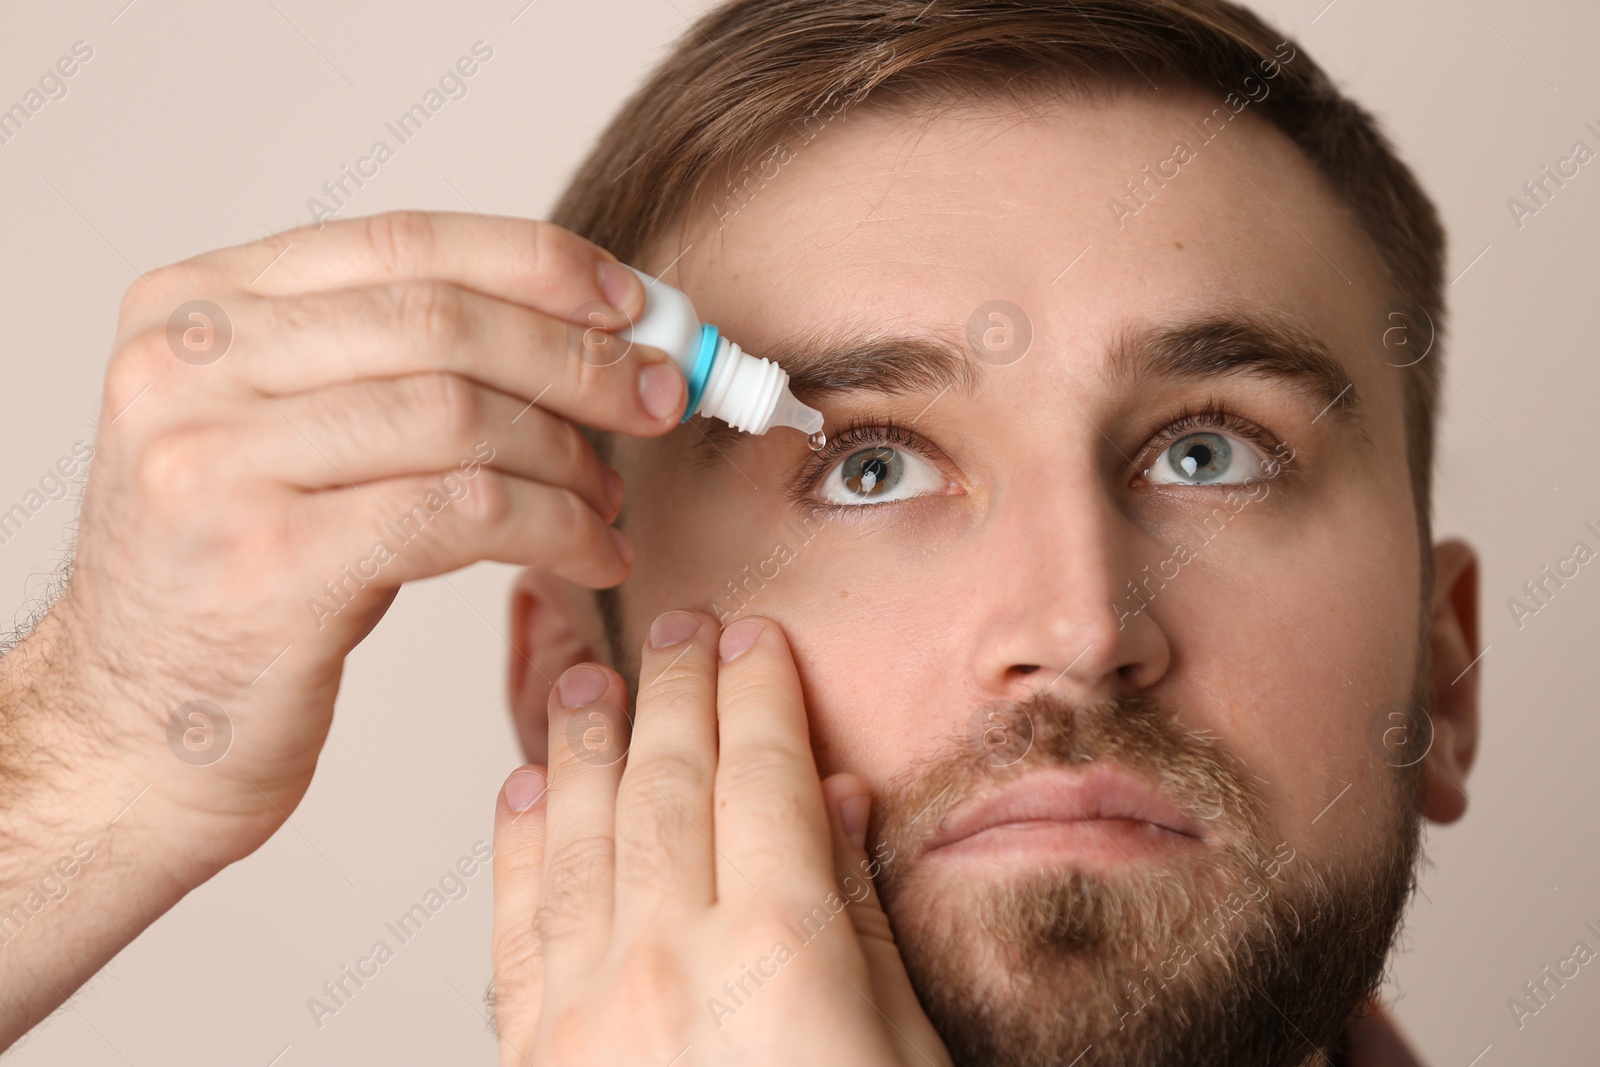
column 1099, row 669
column 1123, row 543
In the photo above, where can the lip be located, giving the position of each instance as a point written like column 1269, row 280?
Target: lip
column 1062, row 803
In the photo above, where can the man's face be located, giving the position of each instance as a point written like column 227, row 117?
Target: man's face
column 1145, row 553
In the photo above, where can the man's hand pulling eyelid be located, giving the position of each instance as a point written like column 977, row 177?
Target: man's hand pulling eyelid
column 660, row 863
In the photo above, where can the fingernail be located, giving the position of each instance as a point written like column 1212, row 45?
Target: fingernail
column 581, row 685
column 673, row 627
column 661, row 390
column 523, row 789
column 624, row 545
column 622, row 288
column 613, row 482
column 737, row 639
column 853, row 813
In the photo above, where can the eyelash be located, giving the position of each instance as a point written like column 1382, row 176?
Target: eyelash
column 867, row 432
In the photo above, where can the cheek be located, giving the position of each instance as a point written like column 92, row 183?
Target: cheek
column 687, row 550
column 863, row 635
column 1296, row 672
column 875, row 702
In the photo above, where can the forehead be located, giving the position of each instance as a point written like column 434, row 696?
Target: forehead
column 1089, row 216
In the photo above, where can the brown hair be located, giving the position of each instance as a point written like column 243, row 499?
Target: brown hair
column 753, row 77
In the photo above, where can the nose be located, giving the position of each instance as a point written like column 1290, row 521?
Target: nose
column 1064, row 612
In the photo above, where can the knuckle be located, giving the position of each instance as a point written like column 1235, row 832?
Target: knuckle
column 757, row 768
column 643, row 845
column 538, row 240
column 573, row 874
column 400, row 239
column 590, row 377
column 658, row 803
column 140, row 295
column 343, row 313
column 666, row 775
column 449, row 404
column 430, row 309
column 520, row 865
column 303, row 312
column 591, row 363
column 158, row 285
column 489, row 502
column 534, row 242
column 515, row 947
column 567, row 446
column 569, row 516
column 175, row 463
column 680, row 678
column 137, row 361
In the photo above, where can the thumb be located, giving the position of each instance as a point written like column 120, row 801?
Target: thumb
column 849, row 801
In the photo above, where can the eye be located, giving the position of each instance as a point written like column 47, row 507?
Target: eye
column 879, row 475
column 1206, row 458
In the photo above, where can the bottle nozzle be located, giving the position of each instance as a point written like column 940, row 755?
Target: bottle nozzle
column 790, row 412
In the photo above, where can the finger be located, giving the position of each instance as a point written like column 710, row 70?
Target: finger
column 305, row 341
column 369, row 430
column 664, row 820
column 849, row 803
column 589, row 736
column 772, row 829
column 419, row 526
column 519, row 831
column 529, row 261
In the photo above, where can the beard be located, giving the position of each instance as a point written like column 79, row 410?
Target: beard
column 1249, row 952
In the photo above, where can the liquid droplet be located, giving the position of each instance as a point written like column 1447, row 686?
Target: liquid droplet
column 818, row 441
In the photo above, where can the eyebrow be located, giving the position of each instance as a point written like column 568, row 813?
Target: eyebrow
column 823, row 364
column 1227, row 344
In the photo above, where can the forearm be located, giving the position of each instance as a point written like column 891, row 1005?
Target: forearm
column 83, row 868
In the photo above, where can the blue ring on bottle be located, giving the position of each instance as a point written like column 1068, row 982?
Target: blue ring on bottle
column 705, row 356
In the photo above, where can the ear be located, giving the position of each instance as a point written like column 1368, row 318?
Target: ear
column 1455, row 688
column 554, row 625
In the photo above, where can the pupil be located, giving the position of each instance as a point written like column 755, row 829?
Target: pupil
column 1201, row 457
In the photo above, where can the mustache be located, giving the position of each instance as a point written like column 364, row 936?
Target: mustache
column 1007, row 739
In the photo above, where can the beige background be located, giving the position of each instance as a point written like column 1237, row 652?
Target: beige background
column 197, row 125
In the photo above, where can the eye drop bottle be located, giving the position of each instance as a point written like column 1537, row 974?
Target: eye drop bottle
column 725, row 382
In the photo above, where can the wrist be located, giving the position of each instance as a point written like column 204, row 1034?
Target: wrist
column 86, row 756
column 89, row 860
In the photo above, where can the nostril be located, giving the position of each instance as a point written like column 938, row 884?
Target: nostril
column 1025, row 668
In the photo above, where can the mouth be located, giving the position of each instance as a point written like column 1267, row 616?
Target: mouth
column 1104, row 814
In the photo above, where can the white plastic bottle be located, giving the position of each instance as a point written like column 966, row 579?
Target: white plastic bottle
column 725, row 382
